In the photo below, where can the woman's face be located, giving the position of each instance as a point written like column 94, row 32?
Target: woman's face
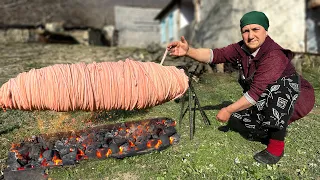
column 253, row 36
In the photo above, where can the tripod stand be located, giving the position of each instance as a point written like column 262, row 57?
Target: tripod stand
column 192, row 106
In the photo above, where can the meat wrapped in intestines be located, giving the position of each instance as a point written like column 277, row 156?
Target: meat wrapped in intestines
column 123, row 85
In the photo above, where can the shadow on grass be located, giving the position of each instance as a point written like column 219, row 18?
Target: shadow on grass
column 218, row 106
column 9, row 129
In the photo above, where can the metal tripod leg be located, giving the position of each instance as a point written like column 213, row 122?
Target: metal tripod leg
column 193, row 102
column 197, row 103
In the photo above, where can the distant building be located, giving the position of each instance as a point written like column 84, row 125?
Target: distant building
column 294, row 24
column 82, row 21
column 177, row 15
column 136, row 26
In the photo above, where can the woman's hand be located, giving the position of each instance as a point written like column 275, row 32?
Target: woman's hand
column 223, row 115
column 178, row 48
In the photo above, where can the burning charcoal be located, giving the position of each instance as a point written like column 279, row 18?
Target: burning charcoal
column 59, row 145
column 114, row 132
column 164, row 140
column 141, row 147
column 69, row 159
column 34, row 163
column 73, row 140
column 153, row 143
column 35, row 151
column 56, row 158
column 102, row 152
column 174, row 139
column 42, row 143
column 34, row 139
column 131, row 139
column 122, row 132
column 125, row 148
column 12, row 161
column 169, row 131
column 48, row 145
column 23, row 148
column 105, row 145
column 90, row 138
column 119, row 140
column 141, row 139
column 155, row 136
column 158, row 131
column 48, row 154
column 29, row 166
column 114, row 148
column 169, row 122
column 91, row 148
column 64, row 150
column 50, row 163
column 82, row 138
column 152, row 128
column 108, row 135
column 82, row 148
column 91, row 151
column 22, row 162
column 123, row 126
column 99, row 137
column 81, row 155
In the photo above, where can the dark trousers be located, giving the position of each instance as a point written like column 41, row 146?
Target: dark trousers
column 269, row 117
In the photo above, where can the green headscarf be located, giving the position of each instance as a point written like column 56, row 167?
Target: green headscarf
column 255, row 17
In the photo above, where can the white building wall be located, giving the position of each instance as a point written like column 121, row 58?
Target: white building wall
column 136, row 26
column 176, row 19
column 287, row 20
column 220, row 21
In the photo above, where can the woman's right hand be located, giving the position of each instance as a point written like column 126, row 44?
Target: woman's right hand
column 178, row 48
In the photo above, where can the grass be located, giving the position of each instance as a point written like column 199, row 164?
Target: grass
column 210, row 155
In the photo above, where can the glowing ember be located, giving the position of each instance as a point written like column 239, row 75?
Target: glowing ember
column 109, row 152
column 44, row 163
column 171, row 140
column 158, row 144
column 98, row 153
column 120, row 150
column 57, row 160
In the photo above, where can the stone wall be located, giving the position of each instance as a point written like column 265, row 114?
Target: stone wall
column 82, row 36
column 17, row 35
column 313, row 30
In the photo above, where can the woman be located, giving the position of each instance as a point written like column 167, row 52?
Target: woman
column 274, row 94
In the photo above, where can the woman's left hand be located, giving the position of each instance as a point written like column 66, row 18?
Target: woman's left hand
column 223, row 115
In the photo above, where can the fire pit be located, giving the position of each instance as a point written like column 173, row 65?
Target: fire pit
column 68, row 148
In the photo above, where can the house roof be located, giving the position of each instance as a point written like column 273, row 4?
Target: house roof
column 80, row 13
column 169, row 6
column 314, row 4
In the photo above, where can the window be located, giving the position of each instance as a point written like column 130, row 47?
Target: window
column 170, row 26
column 163, row 31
